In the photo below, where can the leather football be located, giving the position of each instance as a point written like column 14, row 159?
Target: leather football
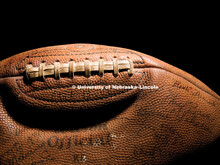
column 95, row 104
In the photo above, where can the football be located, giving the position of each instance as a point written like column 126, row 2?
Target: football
column 96, row 104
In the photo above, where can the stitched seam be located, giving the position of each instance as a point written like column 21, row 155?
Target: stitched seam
column 49, row 50
column 75, row 67
column 26, row 93
column 166, row 71
column 131, row 53
column 31, row 54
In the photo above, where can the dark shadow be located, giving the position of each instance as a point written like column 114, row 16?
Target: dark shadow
column 62, row 120
column 209, row 155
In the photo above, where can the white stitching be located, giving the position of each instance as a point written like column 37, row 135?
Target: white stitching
column 86, row 66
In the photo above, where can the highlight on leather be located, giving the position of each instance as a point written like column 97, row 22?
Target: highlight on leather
column 86, row 66
column 70, row 119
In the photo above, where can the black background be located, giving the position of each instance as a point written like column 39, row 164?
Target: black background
column 190, row 47
column 192, row 50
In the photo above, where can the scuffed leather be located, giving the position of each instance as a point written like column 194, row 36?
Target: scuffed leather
column 102, row 127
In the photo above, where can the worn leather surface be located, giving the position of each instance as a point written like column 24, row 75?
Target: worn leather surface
column 49, row 122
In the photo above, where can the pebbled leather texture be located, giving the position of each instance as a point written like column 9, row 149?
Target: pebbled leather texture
column 49, row 122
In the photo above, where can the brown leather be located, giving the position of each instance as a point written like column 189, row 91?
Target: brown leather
column 48, row 121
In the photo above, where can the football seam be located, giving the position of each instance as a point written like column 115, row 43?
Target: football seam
column 80, row 54
column 166, row 71
column 122, row 92
column 130, row 52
